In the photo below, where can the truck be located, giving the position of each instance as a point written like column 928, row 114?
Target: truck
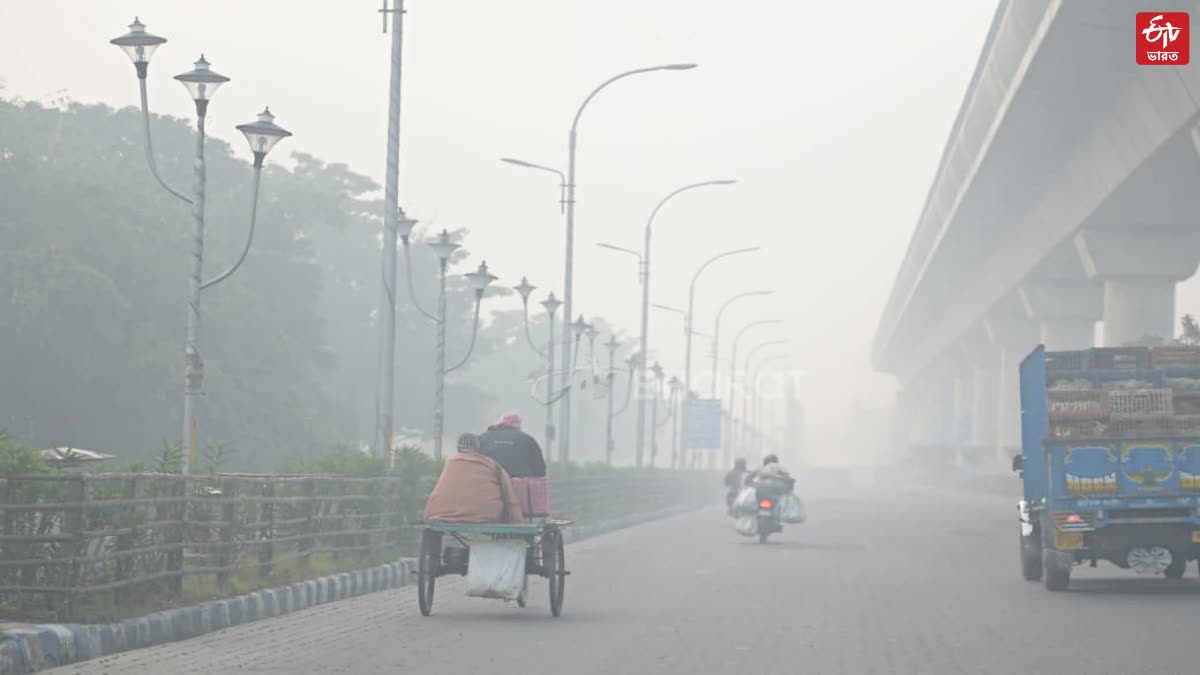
column 1110, row 461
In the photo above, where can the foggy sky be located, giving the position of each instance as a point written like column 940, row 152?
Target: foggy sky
column 832, row 117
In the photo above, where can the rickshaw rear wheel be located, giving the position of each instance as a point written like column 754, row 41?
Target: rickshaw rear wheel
column 428, row 561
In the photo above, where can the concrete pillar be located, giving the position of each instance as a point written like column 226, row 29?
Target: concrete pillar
column 1015, row 338
column 985, row 395
column 1137, row 308
column 1066, row 311
column 1139, row 267
column 1068, row 334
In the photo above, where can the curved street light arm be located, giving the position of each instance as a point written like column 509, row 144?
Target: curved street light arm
column 150, row 144
column 528, row 336
column 638, row 71
column 628, row 393
column 249, row 236
column 714, row 259
column 685, row 188
column 621, row 249
column 474, row 335
column 412, row 293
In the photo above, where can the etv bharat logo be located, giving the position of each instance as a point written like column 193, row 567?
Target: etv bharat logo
column 1163, row 38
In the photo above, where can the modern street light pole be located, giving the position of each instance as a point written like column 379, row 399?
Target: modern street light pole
column 716, row 335
column 568, row 287
column 262, row 134
column 641, row 416
column 569, row 199
column 687, row 363
column 731, row 436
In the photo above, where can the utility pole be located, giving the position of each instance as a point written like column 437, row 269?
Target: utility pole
column 386, row 375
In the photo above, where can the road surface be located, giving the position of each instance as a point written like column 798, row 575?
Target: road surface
column 890, row 581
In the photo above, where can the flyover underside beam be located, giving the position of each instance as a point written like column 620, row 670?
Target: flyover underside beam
column 1076, row 189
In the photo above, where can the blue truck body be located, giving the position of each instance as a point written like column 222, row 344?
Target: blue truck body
column 1125, row 489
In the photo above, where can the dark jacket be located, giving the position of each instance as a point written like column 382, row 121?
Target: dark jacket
column 515, row 450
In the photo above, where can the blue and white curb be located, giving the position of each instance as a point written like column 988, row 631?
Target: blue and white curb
column 33, row 648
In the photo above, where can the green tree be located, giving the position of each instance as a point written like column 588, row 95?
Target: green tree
column 1190, row 333
column 93, row 256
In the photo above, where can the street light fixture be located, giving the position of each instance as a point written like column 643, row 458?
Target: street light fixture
column 525, row 289
column 138, row 45
column 629, row 251
column 262, row 134
column 201, row 83
column 479, row 280
column 641, row 417
column 562, row 178
column 551, row 305
column 568, row 285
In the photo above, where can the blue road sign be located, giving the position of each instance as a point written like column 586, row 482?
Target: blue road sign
column 703, row 424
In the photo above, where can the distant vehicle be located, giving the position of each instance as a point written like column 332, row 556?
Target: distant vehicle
column 1110, row 461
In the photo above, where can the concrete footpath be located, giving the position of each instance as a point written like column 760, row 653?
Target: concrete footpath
column 30, row 648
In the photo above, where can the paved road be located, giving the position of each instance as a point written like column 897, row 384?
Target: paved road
column 898, row 581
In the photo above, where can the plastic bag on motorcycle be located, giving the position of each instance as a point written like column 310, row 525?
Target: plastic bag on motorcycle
column 746, row 502
column 747, row 526
column 791, row 509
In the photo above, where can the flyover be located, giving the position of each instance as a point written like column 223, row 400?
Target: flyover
column 1067, row 196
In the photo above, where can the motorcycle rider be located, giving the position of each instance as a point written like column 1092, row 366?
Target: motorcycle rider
column 735, row 480
column 771, row 475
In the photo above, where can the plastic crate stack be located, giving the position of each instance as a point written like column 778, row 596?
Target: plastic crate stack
column 1136, row 413
column 1182, row 366
column 1076, row 407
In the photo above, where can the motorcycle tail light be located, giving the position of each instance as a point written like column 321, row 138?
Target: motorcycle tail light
column 765, row 504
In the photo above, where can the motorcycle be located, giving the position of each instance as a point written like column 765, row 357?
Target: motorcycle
column 768, row 517
column 762, row 515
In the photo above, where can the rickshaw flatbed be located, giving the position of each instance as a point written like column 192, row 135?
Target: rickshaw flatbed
column 525, row 529
column 546, row 555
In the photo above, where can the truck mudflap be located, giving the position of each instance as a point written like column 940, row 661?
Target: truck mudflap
column 1059, row 559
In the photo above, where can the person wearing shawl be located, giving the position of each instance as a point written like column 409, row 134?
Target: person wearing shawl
column 473, row 488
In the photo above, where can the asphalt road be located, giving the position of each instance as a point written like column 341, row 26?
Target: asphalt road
column 897, row 580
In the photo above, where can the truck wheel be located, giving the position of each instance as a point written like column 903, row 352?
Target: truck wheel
column 1054, row 576
column 1176, row 569
column 1031, row 559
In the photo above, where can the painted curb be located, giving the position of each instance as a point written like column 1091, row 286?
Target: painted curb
column 27, row 650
